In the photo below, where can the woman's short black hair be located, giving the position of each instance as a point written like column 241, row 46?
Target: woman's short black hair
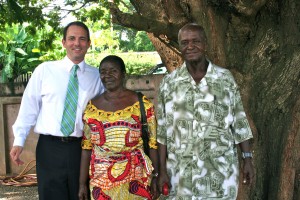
column 114, row 59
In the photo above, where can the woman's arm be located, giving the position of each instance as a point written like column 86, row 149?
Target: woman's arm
column 84, row 174
column 153, row 154
column 163, row 175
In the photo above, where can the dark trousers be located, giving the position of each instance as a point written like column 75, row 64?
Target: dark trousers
column 57, row 166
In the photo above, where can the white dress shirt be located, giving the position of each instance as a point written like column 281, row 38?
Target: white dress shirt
column 43, row 99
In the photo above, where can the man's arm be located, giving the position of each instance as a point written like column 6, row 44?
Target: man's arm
column 28, row 113
column 248, row 170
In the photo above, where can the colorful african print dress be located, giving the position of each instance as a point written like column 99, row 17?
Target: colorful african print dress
column 201, row 125
column 119, row 168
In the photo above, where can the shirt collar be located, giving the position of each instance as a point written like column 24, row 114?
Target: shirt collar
column 69, row 64
column 185, row 75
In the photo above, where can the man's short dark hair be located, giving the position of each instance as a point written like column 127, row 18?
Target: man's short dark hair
column 76, row 23
column 192, row 27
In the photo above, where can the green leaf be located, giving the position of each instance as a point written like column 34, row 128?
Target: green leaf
column 7, row 71
column 32, row 59
column 21, row 51
column 11, row 58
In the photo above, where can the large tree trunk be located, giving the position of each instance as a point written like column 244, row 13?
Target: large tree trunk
column 259, row 41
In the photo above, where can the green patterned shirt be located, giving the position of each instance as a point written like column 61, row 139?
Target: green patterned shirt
column 201, row 125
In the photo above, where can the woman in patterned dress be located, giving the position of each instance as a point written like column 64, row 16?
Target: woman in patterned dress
column 113, row 160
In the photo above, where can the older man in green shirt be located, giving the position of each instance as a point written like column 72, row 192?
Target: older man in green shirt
column 200, row 121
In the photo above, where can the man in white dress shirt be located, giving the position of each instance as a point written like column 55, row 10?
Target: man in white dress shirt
column 57, row 155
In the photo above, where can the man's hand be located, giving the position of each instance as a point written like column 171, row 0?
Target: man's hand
column 248, row 171
column 15, row 153
column 162, row 179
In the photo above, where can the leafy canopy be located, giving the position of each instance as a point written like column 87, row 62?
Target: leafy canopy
column 31, row 32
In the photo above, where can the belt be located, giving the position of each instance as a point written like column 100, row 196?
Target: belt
column 63, row 139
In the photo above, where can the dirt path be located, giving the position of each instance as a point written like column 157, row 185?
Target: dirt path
column 18, row 193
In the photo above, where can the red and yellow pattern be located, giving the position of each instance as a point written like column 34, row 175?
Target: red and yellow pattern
column 118, row 164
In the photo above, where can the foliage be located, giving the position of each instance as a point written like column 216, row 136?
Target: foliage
column 142, row 42
column 21, row 11
column 136, row 62
column 112, row 37
column 95, row 13
column 105, row 40
column 18, row 52
column 43, row 32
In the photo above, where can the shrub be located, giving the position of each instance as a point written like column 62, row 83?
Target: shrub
column 137, row 63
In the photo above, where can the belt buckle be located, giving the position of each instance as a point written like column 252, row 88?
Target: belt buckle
column 64, row 139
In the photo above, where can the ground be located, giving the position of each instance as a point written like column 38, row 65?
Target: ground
column 18, row 193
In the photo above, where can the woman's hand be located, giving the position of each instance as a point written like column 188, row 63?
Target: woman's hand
column 154, row 188
column 83, row 193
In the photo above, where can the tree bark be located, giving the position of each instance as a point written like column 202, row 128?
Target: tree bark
column 259, row 42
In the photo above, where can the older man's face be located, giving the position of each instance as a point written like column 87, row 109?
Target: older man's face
column 192, row 45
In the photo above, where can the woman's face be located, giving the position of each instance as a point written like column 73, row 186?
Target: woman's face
column 111, row 75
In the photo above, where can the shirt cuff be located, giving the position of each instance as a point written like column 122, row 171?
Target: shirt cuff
column 19, row 141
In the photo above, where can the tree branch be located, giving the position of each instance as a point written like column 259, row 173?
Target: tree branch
column 247, row 8
column 141, row 22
